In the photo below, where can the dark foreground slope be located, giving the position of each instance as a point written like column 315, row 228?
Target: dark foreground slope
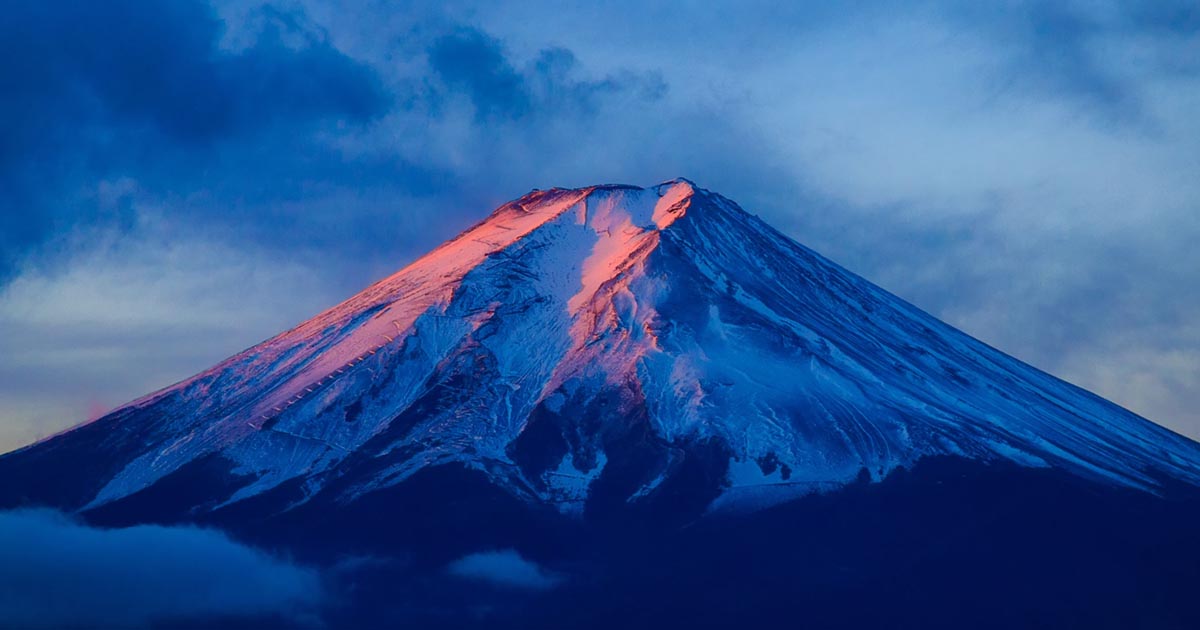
column 948, row 544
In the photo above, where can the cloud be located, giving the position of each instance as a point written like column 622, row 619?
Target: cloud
column 473, row 63
column 56, row 572
column 78, row 107
column 506, row 568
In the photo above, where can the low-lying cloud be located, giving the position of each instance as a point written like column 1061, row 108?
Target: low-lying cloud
column 504, row 567
column 56, row 572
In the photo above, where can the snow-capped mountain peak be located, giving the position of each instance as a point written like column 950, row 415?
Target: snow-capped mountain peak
column 608, row 340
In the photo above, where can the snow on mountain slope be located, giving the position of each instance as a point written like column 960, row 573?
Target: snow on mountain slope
column 605, row 337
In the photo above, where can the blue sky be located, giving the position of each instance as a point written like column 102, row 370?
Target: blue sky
column 181, row 180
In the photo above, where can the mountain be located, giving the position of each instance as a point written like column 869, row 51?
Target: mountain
column 618, row 361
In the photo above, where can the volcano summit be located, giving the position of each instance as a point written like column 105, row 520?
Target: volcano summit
column 582, row 360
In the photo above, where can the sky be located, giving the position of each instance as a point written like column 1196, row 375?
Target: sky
column 180, row 180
